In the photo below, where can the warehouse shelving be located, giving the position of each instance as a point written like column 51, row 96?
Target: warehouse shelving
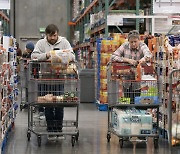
column 83, row 45
column 4, row 21
column 98, row 29
column 8, row 88
column 167, row 57
column 101, row 28
column 88, row 9
column 96, row 14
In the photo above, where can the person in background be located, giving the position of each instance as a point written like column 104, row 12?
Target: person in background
column 147, row 37
column 28, row 50
column 19, row 55
column 18, row 50
column 132, row 52
column 26, row 56
column 52, row 40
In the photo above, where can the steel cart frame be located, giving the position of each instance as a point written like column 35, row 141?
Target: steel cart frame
column 114, row 102
column 174, row 95
column 40, row 74
column 24, row 82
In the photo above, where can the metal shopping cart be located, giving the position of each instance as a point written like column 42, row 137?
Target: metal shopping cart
column 24, row 82
column 133, row 103
column 52, row 86
column 174, row 108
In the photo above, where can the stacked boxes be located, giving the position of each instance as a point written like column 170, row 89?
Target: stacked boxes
column 166, row 53
column 105, row 48
column 97, row 19
column 131, row 122
column 87, row 30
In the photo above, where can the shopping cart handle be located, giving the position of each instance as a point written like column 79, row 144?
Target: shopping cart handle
column 34, row 60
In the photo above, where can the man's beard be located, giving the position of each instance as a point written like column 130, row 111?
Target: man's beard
column 52, row 41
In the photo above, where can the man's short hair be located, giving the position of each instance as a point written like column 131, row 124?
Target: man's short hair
column 133, row 34
column 51, row 29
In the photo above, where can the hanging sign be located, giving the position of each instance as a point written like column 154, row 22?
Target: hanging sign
column 5, row 4
column 166, row 6
column 114, row 20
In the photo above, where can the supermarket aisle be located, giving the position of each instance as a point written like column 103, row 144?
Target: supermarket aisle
column 92, row 139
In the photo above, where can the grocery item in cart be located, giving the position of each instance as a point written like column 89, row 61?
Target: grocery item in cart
column 149, row 86
column 131, row 122
column 146, row 100
column 138, row 72
column 149, row 91
column 71, row 69
column 46, row 98
column 50, row 98
column 60, row 58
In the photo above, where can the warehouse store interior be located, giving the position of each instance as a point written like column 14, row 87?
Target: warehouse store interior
column 90, row 76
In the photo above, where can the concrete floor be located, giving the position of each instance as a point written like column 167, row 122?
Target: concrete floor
column 92, row 138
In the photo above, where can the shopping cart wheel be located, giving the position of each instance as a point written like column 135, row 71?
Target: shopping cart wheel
column 77, row 136
column 155, row 143
column 121, row 142
column 73, row 139
column 108, row 137
column 28, row 136
column 39, row 140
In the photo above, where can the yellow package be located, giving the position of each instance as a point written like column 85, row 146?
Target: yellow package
column 103, row 58
column 106, row 46
column 103, row 73
column 115, row 45
column 104, row 84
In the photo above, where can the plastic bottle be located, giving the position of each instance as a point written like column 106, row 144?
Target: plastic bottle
column 138, row 72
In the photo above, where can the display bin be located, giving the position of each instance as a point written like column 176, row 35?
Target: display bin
column 87, row 86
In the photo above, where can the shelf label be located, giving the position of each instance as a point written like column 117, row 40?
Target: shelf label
column 166, row 6
column 114, row 20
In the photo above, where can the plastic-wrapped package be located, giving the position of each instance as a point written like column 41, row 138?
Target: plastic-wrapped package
column 60, row 58
column 131, row 121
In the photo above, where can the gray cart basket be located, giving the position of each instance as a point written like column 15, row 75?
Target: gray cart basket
column 24, row 82
column 174, row 114
column 52, row 86
column 120, row 77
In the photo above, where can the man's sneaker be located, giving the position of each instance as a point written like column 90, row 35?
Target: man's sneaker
column 39, row 116
column 60, row 137
column 42, row 117
column 52, row 137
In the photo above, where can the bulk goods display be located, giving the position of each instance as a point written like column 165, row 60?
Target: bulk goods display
column 8, row 87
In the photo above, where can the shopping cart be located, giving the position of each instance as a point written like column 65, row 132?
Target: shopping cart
column 174, row 108
column 52, row 86
column 133, row 103
column 24, row 82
